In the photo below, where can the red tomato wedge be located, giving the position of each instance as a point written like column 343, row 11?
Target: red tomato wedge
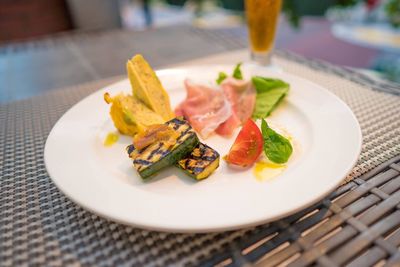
column 247, row 147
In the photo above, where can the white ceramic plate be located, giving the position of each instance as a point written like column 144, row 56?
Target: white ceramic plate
column 101, row 179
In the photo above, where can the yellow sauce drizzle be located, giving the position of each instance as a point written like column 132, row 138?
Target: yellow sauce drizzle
column 267, row 170
column 111, row 139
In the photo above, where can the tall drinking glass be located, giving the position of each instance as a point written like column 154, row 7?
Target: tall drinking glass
column 262, row 19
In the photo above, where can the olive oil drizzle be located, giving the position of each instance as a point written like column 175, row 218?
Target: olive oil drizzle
column 264, row 170
column 111, row 139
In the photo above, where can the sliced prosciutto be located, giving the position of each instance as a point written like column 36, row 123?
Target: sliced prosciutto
column 205, row 108
column 242, row 97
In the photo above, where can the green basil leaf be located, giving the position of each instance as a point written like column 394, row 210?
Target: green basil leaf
column 221, row 77
column 237, row 73
column 263, row 84
column 276, row 147
column 270, row 92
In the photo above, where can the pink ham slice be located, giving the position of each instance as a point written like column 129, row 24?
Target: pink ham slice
column 242, row 97
column 227, row 127
column 205, row 108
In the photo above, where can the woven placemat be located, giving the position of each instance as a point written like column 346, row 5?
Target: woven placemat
column 40, row 226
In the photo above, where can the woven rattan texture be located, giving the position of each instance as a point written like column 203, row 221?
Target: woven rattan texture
column 40, row 226
column 358, row 225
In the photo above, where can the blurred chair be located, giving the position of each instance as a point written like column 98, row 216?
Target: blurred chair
column 21, row 19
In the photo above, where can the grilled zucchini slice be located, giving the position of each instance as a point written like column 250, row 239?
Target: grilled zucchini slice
column 201, row 162
column 159, row 155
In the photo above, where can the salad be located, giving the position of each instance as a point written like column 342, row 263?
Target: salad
column 162, row 136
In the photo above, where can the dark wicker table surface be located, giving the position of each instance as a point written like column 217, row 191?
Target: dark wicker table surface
column 357, row 225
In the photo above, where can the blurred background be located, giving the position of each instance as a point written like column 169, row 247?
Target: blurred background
column 362, row 34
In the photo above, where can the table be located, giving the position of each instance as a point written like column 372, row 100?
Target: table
column 36, row 66
column 358, row 224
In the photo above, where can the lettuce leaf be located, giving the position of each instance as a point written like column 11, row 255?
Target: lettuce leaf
column 237, row 72
column 221, row 77
column 269, row 94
